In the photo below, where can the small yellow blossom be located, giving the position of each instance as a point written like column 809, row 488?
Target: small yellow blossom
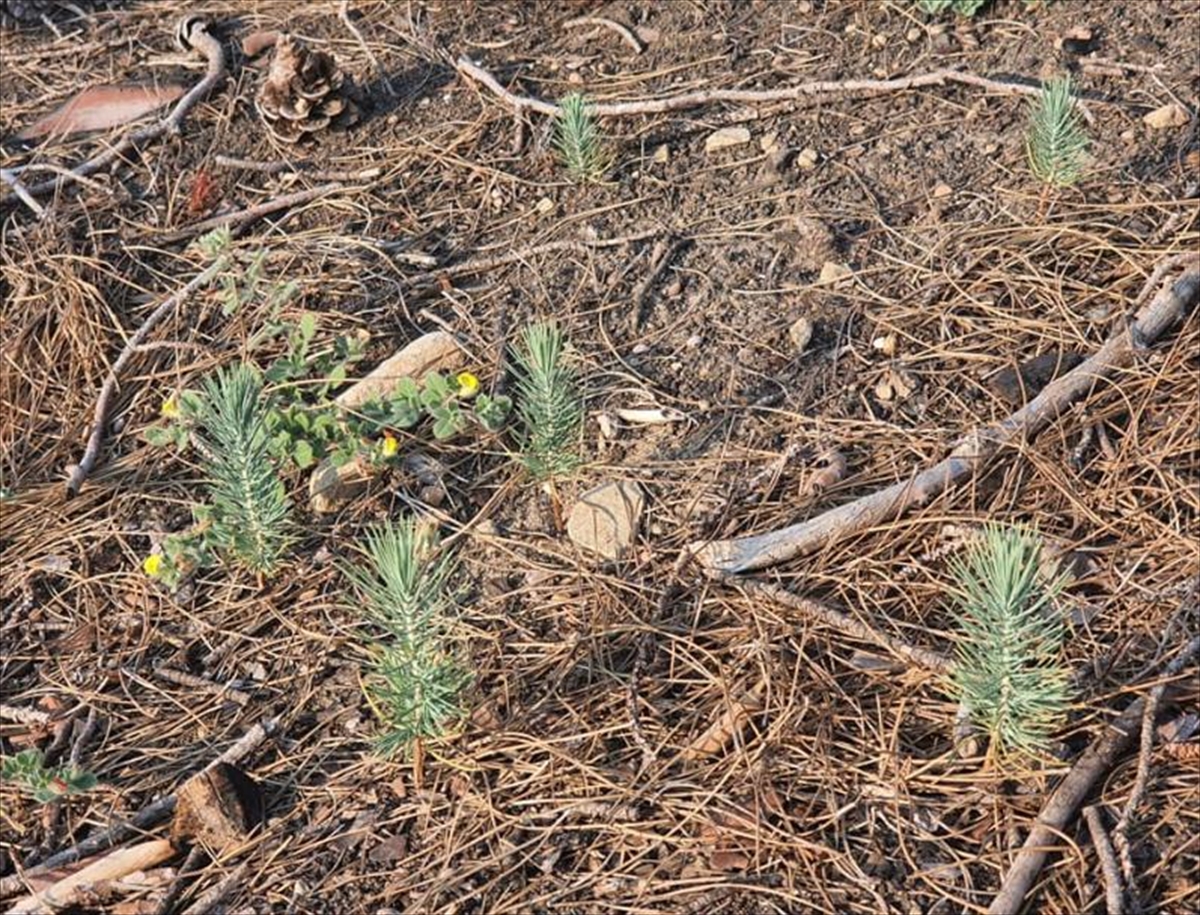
column 390, row 446
column 169, row 408
column 468, row 385
column 152, row 565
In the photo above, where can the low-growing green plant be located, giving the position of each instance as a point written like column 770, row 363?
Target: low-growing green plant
column 580, row 144
column 415, row 683
column 549, row 403
column 966, row 8
column 1008, row 674
column 1056, row 141
column 29, row 770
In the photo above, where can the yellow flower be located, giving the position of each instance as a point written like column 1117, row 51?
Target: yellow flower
column 152, row 565
column 389, row 446
column 169, row 408
column 468, row 385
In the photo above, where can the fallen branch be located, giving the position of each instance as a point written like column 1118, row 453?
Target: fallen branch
column 970, row 454
column 626, row 34
column 297, row 168
column 239, row 218
column 73, row 890
column 145, row 819
column 200, row 39
column 77, row 473
column 522, row 103
column 1062, row 804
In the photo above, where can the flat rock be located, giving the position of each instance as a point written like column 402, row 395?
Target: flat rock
column 725, row 138
column 834, row 273
column 1170, row 115
column 605, row 519
column 432, row 352
column 801, row 334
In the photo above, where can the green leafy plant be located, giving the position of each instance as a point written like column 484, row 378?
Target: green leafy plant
column 1056, row 141
column 415, row 683
column 579, row 141
column 965, row 8
column 1008, row 673
column 549, row 404
column 29, row 770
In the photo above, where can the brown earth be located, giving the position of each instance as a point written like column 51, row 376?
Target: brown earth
column 842, row 792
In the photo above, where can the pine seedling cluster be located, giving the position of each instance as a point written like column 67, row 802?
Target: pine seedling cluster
column 1056, row 141
column 415, row 684
column 549, row 404
column 579, row 142
column 248, row 515
column 1008, row 673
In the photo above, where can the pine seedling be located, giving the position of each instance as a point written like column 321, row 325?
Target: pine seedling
column 248, row 518
column 1056, row 141
column 579, row 142
column 548, row 403
column 1008, row 673
column 415, row 684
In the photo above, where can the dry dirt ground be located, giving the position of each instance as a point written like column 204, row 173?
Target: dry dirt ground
column 567, row 789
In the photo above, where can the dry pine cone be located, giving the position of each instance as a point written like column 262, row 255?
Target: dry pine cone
column 303, row 93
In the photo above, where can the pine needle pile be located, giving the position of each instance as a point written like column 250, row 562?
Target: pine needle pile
column 549, row 404
column 415, row 684
column 1056, row 141
column 1008, row 674
column 579, row 142
column 247, row 516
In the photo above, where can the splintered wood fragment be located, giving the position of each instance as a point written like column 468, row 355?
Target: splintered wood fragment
column 217, row 808
column 71, row 891
column 101, row 107
column 721, row 732
column 974, row 451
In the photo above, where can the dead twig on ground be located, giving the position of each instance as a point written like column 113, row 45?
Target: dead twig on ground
column 1062, row 804
column 625, row 32
column 752, row 96
column 145, row 819
column 23, row 195
column 240, row 218
column 212, row 899
column 661, row 256
column 202, row 41
column 72, row 890
column 1113, row 894
column 201, row 684
column 971, row 453
column 344, row 15
column 837, row 619
column 297, row 168
column 77, row 473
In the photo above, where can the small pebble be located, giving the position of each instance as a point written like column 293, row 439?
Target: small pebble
column 725, row 138
column 807, row 159
column 801, row 333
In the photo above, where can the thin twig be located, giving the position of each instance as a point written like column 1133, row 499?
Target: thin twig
column 1113, row 894
column 626, row 34
column 201, row 684
column 192, row 865
column 971, row 453
column 211, row 900
column 23, row 715
column 837, row 619
column 1062, row 804
column 142, row 821
column 239, row 218
column 752, row 96
column 14, row 182
column 207, row 45
column 77, row 473
column 344, row 15
column 297, row 168
column 660, row 258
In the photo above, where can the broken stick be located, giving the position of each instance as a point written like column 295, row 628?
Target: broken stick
column 971, row 453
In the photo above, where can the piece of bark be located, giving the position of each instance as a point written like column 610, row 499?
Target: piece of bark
column 217, row 808
column 1016, row 385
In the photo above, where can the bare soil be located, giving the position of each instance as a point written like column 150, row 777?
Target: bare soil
column 568, row 788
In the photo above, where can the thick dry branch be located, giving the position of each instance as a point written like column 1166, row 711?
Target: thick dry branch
column 1062, row 804
column 77, row 473
column 201, row 41
column 970, row 454
column 521, row 103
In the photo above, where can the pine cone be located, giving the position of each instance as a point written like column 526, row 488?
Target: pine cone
column 304, row 92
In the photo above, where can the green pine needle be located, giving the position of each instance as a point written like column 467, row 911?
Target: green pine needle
column 1007, row 673
column 249, row 512
column 548, row 403
column 579, row 142
column 415, row 684
column 1056, row 141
